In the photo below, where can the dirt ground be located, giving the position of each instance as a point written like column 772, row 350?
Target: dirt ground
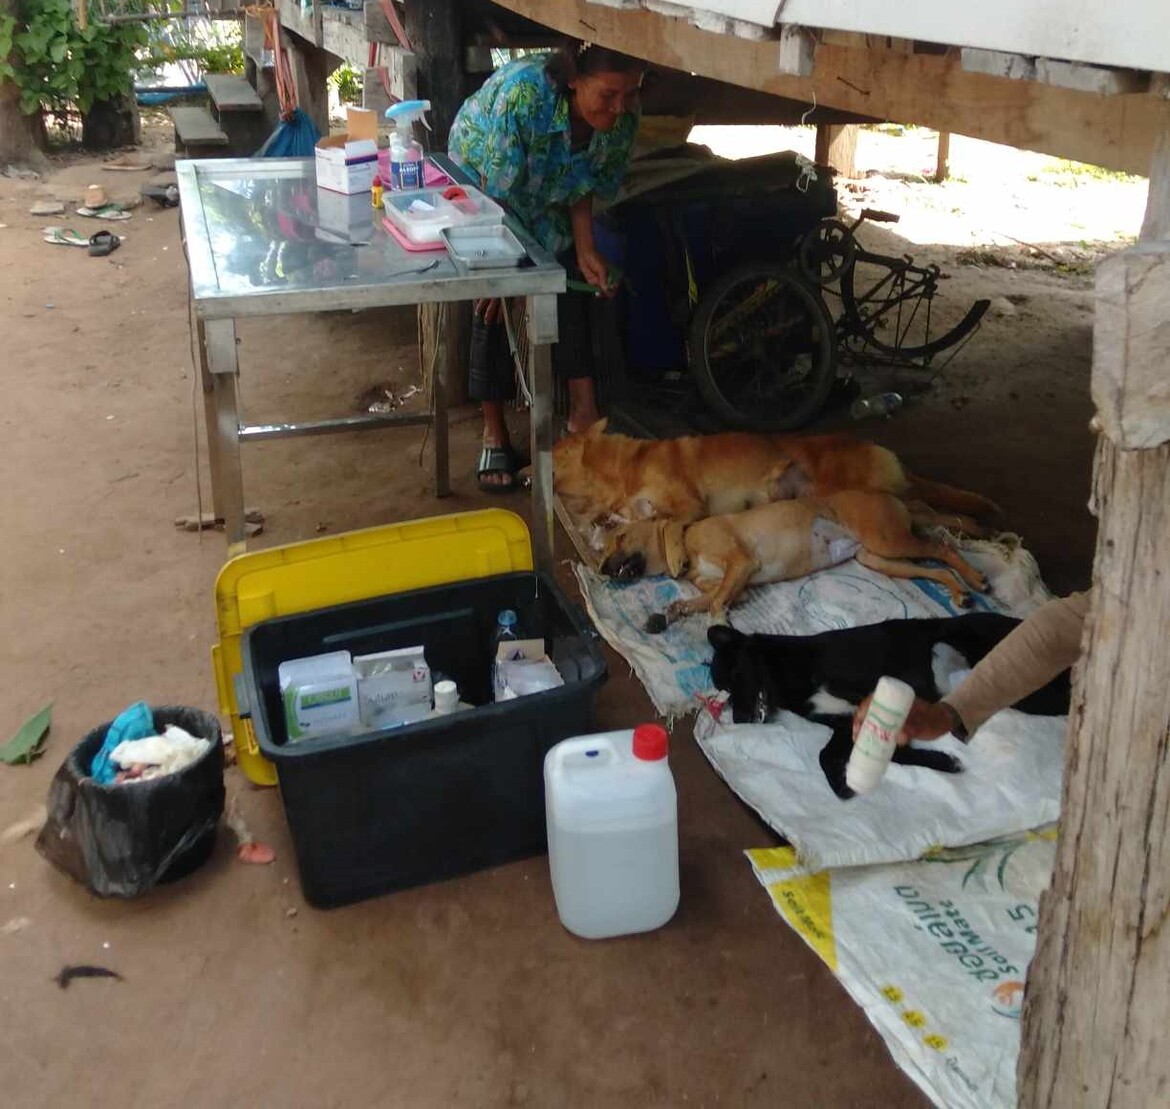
column 467, row 992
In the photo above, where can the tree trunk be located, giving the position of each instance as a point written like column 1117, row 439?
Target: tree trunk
column 19, row 133
column 111, row 123
column 1097, row 1005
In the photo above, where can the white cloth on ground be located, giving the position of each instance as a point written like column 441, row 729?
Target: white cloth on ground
column 168, row 753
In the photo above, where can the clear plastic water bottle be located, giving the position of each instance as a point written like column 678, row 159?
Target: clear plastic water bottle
column 878, row 404
column 506, row 629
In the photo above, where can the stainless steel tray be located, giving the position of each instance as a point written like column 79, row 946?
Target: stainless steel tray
column 480, row 248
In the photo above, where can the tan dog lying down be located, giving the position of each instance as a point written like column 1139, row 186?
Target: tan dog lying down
column 599, row 477
column 723, row 555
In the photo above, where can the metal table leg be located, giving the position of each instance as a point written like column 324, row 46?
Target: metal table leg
column 439, row 407
column 208, row 383
column 223, row 429
column 542, row 333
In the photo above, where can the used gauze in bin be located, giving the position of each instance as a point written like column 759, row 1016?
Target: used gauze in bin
column 120, row 840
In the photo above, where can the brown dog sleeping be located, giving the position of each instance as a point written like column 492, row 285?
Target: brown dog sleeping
column 616, row 478
column 725, row 554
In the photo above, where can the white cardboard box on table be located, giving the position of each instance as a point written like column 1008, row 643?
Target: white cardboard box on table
column 347, row 163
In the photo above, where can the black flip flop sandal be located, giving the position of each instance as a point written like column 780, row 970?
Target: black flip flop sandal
column 498, row 460
column 102, row 243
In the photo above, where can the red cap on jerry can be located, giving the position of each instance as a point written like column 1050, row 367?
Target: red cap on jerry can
column 650, row 742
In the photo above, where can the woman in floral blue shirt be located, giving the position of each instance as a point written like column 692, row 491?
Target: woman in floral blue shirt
column 545, row 134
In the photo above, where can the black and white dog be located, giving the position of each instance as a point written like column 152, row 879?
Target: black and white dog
column 824, row 677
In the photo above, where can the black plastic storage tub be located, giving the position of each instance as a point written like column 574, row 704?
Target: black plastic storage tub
column 403, row 806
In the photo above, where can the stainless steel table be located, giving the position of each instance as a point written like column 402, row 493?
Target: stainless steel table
column 261, row 239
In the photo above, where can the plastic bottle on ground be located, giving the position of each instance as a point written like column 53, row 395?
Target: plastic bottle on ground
column 877, row 404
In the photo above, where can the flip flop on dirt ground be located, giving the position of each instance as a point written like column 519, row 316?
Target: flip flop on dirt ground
column 64, row 236
column 128, row 165
column 500, row 460
column 106, row 211
column 102, row 243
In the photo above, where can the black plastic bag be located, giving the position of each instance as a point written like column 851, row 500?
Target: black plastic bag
column 122, row 840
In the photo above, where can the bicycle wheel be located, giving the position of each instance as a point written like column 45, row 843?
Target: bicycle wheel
column 762, row 349
column 827, row 251
column 902, row 329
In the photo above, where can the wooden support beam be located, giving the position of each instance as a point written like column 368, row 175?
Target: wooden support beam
column 400, row 75
column 836, row 146
column 310, row 66
column 343, row 34
column 1096, row 1005
column 306, row 24
column 435, row 29
column 931, row 90
column 1131, row 346
column 942, row 161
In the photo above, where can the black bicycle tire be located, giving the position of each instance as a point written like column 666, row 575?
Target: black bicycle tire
column 848, row 250
column 824, row 373
column 957, row 333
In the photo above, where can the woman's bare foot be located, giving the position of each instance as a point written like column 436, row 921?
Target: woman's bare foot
column 582, row 404
column 495, row 434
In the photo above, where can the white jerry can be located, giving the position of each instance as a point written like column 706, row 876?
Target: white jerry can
column 612, row 816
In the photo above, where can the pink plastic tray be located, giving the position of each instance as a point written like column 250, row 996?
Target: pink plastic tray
column 406, row 244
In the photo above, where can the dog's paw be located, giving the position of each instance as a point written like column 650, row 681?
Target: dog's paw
column 656, row 623
column 928, row 760
column 942, row 762
column 834, row 771
column 760, row 709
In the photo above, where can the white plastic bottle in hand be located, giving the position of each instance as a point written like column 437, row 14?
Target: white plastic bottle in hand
column 877, row 737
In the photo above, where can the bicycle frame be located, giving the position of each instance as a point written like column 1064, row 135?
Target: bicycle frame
column 904, row 288
column 903, row 284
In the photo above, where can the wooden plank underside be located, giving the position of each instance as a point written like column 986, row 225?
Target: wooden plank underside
column 231, row 93
column 195, row 127
column 343, row 34
column 927, row 89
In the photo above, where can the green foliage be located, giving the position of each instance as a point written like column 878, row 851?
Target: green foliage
column 55, row 63
column 215, row 47
column 348, row 83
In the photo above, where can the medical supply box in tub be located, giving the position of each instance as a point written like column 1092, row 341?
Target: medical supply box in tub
column 394, row 808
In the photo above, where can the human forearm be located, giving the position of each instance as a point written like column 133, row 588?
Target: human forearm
column 1046, row 643
column 581, row 222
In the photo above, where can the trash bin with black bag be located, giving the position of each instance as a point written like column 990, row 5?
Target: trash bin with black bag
column 121, row 840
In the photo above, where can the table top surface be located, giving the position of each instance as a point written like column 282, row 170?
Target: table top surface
column 262, row 238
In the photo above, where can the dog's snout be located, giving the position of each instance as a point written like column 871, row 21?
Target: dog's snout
column 624, row 567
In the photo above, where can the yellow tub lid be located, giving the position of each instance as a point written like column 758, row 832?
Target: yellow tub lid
column 353, row 566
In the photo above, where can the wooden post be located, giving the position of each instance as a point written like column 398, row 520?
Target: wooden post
column 310, row 68
column 1097, row 1003
column 837, row 147
column 435, row 31
column 942, row 162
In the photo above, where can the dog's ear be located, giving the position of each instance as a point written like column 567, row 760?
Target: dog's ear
column 720, row 636
column 674, row 548
column 640, row 508
column 597, row 430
